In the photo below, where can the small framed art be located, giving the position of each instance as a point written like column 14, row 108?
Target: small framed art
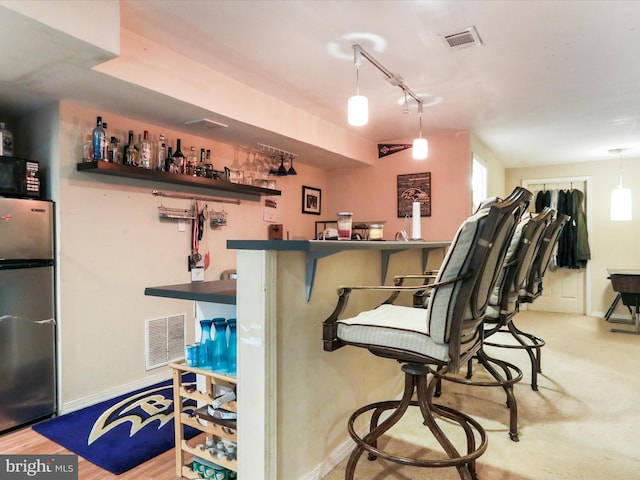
column 311, row 200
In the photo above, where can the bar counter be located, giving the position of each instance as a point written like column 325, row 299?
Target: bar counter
column 296, row 398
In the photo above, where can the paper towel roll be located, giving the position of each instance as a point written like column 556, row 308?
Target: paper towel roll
column 415, row 224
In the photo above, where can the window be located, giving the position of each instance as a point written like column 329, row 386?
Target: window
column 478, row 182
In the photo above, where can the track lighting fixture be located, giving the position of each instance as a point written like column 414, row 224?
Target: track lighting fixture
column 358, row 105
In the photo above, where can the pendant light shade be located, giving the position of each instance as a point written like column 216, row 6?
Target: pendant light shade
column 420, row 149
column 420, row 145
column 621, row 204
column 358, row 105
column 620, row 197
column 358, row 110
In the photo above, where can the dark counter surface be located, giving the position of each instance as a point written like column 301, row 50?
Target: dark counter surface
column 331, row 245
column 218, row 291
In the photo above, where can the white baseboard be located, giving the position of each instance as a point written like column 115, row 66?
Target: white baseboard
column 334, row 458
column 89, row 400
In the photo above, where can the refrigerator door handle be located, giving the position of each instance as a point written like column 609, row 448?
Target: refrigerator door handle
column 48, row 320
column 42, row 322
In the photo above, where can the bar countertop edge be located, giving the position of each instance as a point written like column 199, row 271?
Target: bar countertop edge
column 329, row 245
column 217, row 291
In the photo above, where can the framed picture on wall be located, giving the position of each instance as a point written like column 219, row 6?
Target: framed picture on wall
column 311, row 200
column 414, row 187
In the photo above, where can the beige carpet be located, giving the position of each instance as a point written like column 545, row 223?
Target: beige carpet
column 583, row 423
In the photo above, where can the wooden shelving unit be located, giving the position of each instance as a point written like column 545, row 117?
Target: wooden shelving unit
column 214, row 428
column 127, row 171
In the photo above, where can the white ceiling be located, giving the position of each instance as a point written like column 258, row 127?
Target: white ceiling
column 553, row 82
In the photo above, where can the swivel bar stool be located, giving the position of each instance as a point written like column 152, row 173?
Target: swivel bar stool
column 504, row 303
column 437, row 339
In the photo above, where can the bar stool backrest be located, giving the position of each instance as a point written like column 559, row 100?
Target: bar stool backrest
column 533, row 286
column 518, row 262
column 456, row 309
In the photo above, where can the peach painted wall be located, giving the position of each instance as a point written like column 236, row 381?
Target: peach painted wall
column 112, row 244
column 370, row 193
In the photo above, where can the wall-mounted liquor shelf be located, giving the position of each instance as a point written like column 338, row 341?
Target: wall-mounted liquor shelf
column 117, row 170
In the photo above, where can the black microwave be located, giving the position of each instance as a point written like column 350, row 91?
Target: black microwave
column 19, row 177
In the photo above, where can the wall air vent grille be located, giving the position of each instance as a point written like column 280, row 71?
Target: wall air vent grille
column 463, row 39
column 164, row 340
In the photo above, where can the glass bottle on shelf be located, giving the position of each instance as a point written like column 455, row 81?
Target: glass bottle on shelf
column 145, row 151
column 87, row 149
column 192, row 162
column 178, row 158
column 114, row 155
column 98, row 137
column 232, row 347
column 168, row 162
column 219, row 363
column 161, row 152
column 130, row 152
column 105, row 148
column 206, row 345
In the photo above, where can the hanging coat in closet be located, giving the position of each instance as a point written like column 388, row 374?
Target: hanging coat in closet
column 572, row 250
column 573, row 245
column 582, row 250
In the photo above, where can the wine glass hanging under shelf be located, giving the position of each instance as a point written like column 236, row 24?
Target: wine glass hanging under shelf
column 281, row 155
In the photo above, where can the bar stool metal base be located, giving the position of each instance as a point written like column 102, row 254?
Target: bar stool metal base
column 507, row 379
column 416, row 380
column 527, row 342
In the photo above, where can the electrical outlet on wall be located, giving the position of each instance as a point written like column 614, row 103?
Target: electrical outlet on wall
column 182, row 227
column 197, row 274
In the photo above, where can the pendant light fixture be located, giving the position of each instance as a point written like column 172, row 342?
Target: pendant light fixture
column 358, row 105
column 620, row 197
column 420, row 145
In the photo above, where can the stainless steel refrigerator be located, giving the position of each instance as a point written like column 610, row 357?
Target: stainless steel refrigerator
column 27, row 313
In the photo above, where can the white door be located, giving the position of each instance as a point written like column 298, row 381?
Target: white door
column 564, row 290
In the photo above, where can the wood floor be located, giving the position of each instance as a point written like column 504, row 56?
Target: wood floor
column 26, row 441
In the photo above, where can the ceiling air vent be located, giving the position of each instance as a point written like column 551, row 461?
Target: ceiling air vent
column 206, row 123
column 463, row 39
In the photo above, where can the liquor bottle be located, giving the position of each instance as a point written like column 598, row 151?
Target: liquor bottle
column 161, row 152
column 202, row 157
column 178, row 158
column 98, row 137
column 130, row 152
column 87, row 149
column 192, row 161
column 168, row 162
column 105, row 149
column 145, row 151
column 117, row 151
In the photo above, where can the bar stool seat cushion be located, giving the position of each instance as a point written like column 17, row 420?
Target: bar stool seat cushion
column 393, row 326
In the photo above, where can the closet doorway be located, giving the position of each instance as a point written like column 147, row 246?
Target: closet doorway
column 566, row 290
